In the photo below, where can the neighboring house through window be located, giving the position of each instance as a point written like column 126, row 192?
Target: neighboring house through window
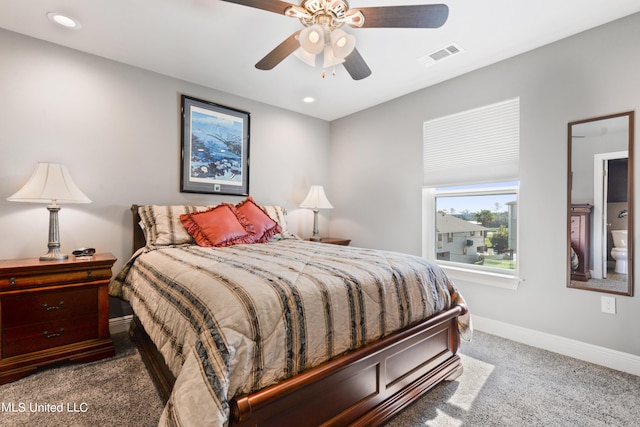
column 470, row 193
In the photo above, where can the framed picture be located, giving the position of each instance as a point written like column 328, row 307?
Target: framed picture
column 215, row 148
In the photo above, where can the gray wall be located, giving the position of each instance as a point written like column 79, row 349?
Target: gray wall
column 117, row 128
column 376, row 174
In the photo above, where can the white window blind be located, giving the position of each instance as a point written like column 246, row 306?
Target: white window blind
column 474, row 146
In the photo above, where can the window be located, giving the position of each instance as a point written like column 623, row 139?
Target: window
column 480, row 222
column 471, row 193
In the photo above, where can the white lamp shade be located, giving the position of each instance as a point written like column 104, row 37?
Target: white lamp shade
column 316, row 199
column 312, row 39
column 50, row 183
column 342, row 43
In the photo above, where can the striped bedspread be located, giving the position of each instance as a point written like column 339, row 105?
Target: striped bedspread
column 230, row 321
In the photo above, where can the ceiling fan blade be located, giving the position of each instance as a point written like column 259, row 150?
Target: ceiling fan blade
column 276, row 6
column 284, row 49
column 412, row 16
column 355, row 65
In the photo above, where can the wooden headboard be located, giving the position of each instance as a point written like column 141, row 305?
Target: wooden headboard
column 139, row 240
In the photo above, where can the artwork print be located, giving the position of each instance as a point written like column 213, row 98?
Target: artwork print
column 215, row 148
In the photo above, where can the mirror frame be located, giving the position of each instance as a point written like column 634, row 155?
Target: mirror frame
column 630, row 202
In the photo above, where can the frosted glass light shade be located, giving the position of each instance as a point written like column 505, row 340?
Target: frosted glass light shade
column 334, row 43
column 330, row 59
column 316, row 199
column 306, row 57
column 312, row 39
column 342, row 43
column 50, row 183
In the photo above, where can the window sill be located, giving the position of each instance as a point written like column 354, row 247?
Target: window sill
column 488, row 278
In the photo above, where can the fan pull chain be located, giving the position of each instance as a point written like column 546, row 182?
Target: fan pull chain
column 333, row 72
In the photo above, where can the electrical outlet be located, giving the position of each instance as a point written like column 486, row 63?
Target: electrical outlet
column 608, row 305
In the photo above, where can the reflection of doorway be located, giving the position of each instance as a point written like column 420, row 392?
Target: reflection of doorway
column 599, row 218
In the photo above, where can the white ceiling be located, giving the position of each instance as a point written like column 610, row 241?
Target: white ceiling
column 216, row 44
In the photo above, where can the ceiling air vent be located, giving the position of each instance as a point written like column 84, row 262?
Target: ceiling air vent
column 440, row 54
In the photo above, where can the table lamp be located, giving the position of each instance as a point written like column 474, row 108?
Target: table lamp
column 316, row 199
column 51, row 183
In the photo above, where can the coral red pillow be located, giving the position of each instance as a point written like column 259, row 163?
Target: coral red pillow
column 264, row 228
column 222, row 225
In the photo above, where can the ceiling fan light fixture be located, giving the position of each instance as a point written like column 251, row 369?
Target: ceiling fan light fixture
column 312, row 39
column 321, row 18
column 342, row 43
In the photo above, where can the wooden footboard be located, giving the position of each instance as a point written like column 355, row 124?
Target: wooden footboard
column 364, row 387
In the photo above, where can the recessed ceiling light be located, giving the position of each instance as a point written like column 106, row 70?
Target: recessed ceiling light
column 308, row 99
column 64, row 20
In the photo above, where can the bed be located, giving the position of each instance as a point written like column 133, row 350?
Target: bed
column 283, row 331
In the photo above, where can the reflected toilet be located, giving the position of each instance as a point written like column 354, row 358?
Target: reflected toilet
column 619, row 252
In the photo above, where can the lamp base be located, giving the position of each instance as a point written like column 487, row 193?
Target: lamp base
column 316, row 234
column 54, row 255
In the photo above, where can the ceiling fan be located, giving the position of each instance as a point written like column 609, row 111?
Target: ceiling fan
column 322, row 20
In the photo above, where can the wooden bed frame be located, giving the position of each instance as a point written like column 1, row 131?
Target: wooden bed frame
column 363, row 388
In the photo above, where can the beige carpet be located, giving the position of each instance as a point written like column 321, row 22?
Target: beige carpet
column 504, row 384
column 510, row 384
column 111, row 392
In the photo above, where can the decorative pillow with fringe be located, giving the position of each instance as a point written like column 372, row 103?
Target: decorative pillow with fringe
column 264, row 227
column 220, row 226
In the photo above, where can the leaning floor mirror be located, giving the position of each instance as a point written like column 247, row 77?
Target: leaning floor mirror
column 600, row 211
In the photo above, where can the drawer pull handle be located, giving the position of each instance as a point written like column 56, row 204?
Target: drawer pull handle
column 53, row 335
column 53, row 307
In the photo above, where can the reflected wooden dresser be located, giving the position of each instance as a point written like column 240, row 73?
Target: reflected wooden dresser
column 581, row 240
column 53, row 311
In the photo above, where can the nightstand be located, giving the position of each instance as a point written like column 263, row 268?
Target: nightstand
column 53, row 311
column 335, row 241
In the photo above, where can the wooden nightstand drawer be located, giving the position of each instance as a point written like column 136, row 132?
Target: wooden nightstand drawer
column 53, row 311
column 41, row 336
column 40, row 307
column 32, row 280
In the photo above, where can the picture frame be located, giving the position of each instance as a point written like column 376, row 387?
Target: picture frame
column 215, row 148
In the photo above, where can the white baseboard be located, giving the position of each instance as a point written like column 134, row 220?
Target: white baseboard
column 119, row 324
column 613, row 359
